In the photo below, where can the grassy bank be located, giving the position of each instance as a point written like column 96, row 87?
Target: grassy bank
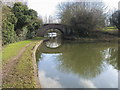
column 108, row 34
column 22, row 72
column 12, row 50
column 110, row 28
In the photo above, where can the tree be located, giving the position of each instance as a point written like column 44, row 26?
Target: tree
column 115, row 19
column 33, row 26
column 65, row 12
column 19, row 7
column 83, row 23
column 8, row 33
column 50, row 19
column 31, row 13
column 5, row 11
column 83, row 17
column 23, row 20
column 20, row 12
column 8, row 22
column 19, row 23
column 27, row 19
column 11, row 18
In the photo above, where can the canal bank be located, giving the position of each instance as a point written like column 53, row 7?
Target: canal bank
column 20, row 71
column 35, row 64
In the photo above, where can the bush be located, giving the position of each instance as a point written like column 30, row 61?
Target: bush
column 8, row 33
column 19, row 23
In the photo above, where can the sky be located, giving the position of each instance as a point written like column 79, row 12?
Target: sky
column 48, row 7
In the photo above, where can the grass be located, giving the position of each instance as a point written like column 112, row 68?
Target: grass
column 110, row 28
column 12, row 49
column 22, row 74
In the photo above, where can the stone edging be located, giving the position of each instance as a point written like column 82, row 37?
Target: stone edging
column 35, row 64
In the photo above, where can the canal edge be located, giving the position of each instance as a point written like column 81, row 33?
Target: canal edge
column 38, row 85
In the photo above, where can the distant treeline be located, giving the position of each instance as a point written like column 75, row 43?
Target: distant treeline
column 18, row 23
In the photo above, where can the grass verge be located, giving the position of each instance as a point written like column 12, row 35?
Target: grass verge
column 22, row 73
column 12, row 50
column 110, row 29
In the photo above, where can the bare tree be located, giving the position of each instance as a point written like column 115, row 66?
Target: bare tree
column 50, row 19
column 82, row 16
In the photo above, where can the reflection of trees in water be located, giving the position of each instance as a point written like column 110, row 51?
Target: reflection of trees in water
column 54, row 43
column 111, row 56
column 39, row 53
column 119, row 57
column 85, row 60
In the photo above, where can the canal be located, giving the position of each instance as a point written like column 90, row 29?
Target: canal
column 63, row 64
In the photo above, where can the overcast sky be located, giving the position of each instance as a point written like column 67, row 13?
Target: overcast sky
column 48, row 7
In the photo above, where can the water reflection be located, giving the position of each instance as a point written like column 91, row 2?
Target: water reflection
column 45, row 80
column 111, row 56
column 87, row 61
column 87, row 84
column 75, row 65
column 53, row 42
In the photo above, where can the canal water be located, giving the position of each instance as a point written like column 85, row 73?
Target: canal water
column 77, row 65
